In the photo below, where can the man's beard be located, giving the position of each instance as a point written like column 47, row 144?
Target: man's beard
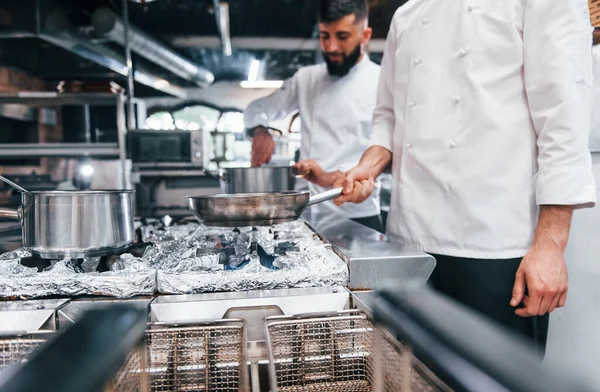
column 342, row 69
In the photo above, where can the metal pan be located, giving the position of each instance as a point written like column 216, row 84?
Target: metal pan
column 255, row 209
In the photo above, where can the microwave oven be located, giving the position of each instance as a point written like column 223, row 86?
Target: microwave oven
column 164, row 148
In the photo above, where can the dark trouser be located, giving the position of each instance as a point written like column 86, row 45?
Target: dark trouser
column 486, row 286
column 374, row 222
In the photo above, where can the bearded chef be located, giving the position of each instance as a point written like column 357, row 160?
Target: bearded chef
column 335, row 101
column 484, row 122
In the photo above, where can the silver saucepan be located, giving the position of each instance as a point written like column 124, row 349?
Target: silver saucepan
column 255, row 209
column 75, row 224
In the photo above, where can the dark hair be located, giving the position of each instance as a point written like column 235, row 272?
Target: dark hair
column 332, row 10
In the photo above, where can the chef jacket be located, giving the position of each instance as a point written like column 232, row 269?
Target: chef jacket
column 335, row 116
column 486, row 107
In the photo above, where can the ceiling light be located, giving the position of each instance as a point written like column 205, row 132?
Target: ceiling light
column 262, row 84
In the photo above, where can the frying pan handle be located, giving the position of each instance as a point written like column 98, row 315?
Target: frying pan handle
column 10, row 214
column 324, row 196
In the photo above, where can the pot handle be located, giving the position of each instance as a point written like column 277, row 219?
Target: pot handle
column 10, row 213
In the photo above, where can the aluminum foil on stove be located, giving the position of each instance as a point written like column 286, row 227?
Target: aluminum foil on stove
column 187, row 258
column 64, row 279
column 184, row 266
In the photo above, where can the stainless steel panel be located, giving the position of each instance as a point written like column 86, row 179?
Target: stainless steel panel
column 69, row 314
column 17, row 150
column 372, row 257
column 29, row 315
column 216, row 305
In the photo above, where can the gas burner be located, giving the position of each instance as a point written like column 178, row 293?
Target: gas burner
column 83, row 265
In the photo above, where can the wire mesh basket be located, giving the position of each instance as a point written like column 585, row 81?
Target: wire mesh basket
column 337, row 353
column 17, row 348
column 189, row 357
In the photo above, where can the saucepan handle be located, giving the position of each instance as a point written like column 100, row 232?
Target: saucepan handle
column 324, row 196
column 10, row 214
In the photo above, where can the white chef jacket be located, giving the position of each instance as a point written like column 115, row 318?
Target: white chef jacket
column 335, row 116
column 486, row 107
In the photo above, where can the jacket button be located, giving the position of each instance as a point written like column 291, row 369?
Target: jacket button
column 408, row 145
column 452, row 144
column 411, row 104
column 456, row 99
column 462, row 52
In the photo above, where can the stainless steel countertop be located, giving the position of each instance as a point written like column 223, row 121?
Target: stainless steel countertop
column 372, row 257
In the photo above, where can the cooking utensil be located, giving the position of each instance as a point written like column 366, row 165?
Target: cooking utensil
column 14, row 185
column 75, row 224
column 257, row 179
column 255, row 209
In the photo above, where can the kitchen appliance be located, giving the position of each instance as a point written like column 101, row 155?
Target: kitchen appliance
column 75, row 224
column 255, row 209
column 167, row 149
column 339, row 352
column 257, row 179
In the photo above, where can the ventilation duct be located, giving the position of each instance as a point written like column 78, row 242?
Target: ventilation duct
column 108, row 25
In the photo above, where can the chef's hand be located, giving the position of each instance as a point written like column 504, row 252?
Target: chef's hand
column 316, row 174
column 263, row 146
column 358, row 185
column 543, row 271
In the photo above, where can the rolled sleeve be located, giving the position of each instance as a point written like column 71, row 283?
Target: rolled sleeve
column 558, row 81
column 384, row 119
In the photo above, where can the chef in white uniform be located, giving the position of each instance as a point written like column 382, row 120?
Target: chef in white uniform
column 485, row 107
column 335, row 101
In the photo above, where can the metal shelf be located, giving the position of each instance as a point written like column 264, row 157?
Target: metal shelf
column 50, row 98
column 34, row 150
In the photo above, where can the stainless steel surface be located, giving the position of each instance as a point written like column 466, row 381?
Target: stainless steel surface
column 107, row 24
column 70, row 313
column 24, row 150
column 15, row 349
column 216, row 305
column 50, row 98
column 121, row 132
column 77, row 224
column 362, row 300
column 9, row 213
column 30, row 315
column 130, row 85
column 197, row 357
column 222, row 15
column 14, row 185
column 254, row 209
column 192, row 172
column 372, row 257
column 257, row 179
column 342, row 352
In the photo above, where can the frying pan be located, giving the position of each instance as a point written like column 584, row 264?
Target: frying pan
column 255, row 209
